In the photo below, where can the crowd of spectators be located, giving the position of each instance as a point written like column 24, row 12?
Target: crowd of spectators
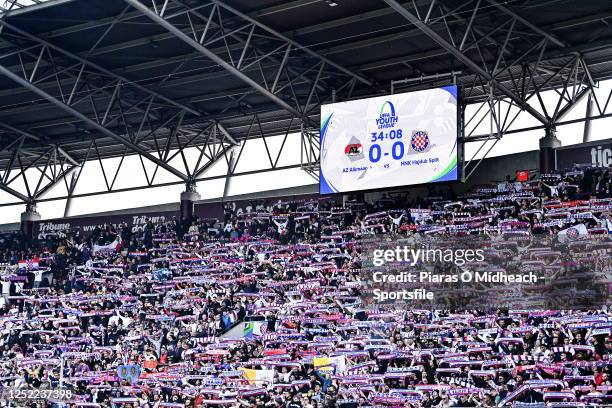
column 264, row 309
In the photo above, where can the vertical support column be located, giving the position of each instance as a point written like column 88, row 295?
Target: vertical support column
column 68, row 206
column 228, row 177
column 586, row 137
column 548, row 146
column 188, row 197
column 28, row 218
column 73, row 182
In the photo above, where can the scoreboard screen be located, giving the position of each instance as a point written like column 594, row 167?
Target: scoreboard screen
column 389, row 141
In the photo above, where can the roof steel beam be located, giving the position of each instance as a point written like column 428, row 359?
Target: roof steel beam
column 264, row 60
column 35, row 7
column 58, row 179
column 464, row 59
column 15, row 193
column 99, row 68
column 19, row 131
column 166, row 184
column 185, row 80
column 206, row 52
column 67, row 156
column 504, row 79
column 298, row 32
column 227, row 134
column 535, row 28
column 135, row 14
column 294, row 43
column 100, row 128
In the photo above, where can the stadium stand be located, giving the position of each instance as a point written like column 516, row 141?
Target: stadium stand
column 261, row 309
column 394, row 108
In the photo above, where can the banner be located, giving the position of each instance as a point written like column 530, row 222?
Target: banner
column 88, row 224
column 107, row 249
column 210, row 210
column 573, row 232
column 596, row 154
column 330, row 363
column 254, row 376
column 252, row 329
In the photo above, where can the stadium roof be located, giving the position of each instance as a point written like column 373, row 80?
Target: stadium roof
column 147, row 76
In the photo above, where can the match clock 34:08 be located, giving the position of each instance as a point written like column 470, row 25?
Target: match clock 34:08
column 396, row 150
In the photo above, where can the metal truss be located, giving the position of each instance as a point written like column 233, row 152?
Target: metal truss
column 504, row 66
column 502, row 117
column 102, row 102
column 503, row 57
column 577, row 84
column 310, row 152
column 262, row 58
column 56, row 167
column 510, row 63
column 123, row 118
column 9, row 5
column 194, row 159
column 47, row 171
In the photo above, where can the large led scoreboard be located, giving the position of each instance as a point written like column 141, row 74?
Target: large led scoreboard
column 389, row 141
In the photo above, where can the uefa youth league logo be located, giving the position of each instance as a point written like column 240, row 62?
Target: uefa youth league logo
column 419, row 141
column 387, row 118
